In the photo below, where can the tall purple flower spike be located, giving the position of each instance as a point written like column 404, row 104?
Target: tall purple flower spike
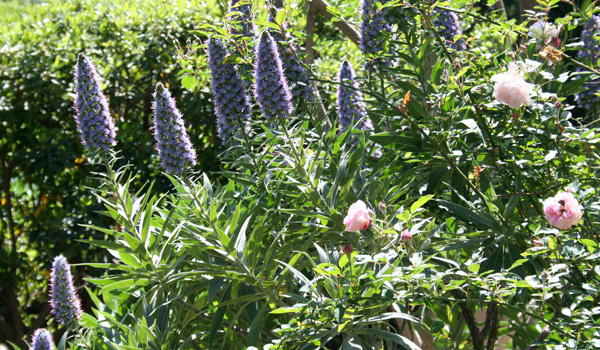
column 232, row 105
column 271, row 86
column 295, row 71
column 66, row 306
column 241, row 18
column 174, row 148
column 590, row 52
column 93, row 118
column 376, row 24
column 42, row 340
column 351, row 105
column 448, row 26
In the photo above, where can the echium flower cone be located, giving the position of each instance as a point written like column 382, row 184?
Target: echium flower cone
column 351, row 106
column 448, row 26
column 93, row 118
column 240, row 18
column 66, row 306
column 590, row 52
column 376, row 24
column 232, row 105
column 271, row 87
column 295, row 71
column 175, row 150
column 42, row 340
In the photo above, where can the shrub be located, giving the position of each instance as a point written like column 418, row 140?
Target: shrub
column 45, row 203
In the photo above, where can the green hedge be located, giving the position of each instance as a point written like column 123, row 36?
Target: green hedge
column 44, row 201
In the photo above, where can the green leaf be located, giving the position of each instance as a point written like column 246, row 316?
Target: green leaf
column 281, row 16
column 189, row 82
column 256, row 326
column 420, row 202
column 481, row 219
column 396, row 338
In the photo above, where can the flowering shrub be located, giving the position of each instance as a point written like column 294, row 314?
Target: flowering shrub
column 462, row 250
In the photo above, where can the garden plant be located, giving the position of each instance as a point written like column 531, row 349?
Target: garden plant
column 436, row 192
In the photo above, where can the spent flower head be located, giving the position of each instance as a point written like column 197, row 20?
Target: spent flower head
column 93, row 118
column 174, row 148
column 232, row 105
column 66, row 306
column 271, row 87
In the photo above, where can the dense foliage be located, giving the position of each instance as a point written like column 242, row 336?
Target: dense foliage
column 44, row 200
column 463, row 217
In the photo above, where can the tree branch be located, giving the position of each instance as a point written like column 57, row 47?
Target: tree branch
column 310, row 32
column 349, row 31
column 469, row 319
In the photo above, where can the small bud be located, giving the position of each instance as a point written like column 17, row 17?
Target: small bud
column 558, row 104
column 515, row 116
column 497, row 151
column 347, row 249
column 456, row 63
column 382, row 207
column 406, row 236
column 511, row 55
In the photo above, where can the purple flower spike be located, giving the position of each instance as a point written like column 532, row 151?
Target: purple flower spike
column 271, row 87
column 590, row 52
column 66, row 306
column 42, row 340
column 448, row 26
column 232, row 105
column 377, row 23
column 295, row 71
column 351, row 105
column 240, row 17
column 173, row 144
column 93, row 118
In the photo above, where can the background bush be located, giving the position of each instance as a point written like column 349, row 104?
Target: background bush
column 44, row 199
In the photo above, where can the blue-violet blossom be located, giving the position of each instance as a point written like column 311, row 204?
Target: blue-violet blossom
column 232, row 105
column 271, row 87
column 240, row 17
column 295, row 71
column 351, row 105
column 93, row 118
column 448, row 26
column 42, row 340
column 590, row 52
column 173, row 144
column 376, row 26
column 65, row 303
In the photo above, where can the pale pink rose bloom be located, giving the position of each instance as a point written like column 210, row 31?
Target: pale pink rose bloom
column 406, row 236
column 562, row 210
column 545, row 31
column 358, row 218
column 511, row 88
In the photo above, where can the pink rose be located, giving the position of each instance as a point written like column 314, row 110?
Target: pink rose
column 511, row 88
column 358, row 218
column 562, row 210
column 406, row 236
